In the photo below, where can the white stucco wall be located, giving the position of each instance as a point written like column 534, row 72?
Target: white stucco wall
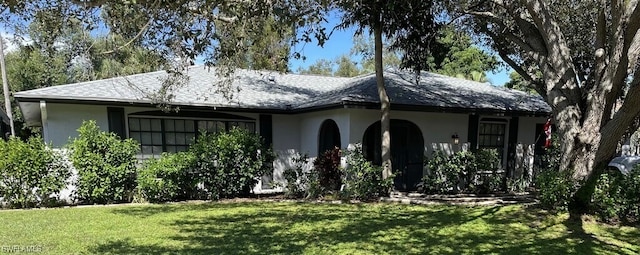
column 63, row 121
column 527, row 129
column 286, row 145
column 436, row 128
column 310, row 124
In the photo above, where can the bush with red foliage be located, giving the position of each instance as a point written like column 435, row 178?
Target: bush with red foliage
column 328, row 167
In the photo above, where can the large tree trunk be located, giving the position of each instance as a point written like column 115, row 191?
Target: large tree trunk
column 595, row 99
column 385, row 105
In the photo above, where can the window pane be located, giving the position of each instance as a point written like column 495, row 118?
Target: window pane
column 145, row 124
column 251, row 127
column 146, row 138
column 189, row 126
column 180, row 125
column 170, row 137
column 202, row 125
column 171, row 149
column 157, row 138
column 168, row 125
column 220, row 126
column 189, row 138
column 134, row 124
column 180, row 138
column 155, row 125
column 157, row 150
column 147, row 149
column 135, row 136
column 181, row 148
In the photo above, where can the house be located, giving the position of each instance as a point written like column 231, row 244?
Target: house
column 297, row 114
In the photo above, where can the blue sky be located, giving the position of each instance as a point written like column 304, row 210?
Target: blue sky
column 340, row 43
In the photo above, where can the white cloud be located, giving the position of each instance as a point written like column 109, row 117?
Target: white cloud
column 10, row 42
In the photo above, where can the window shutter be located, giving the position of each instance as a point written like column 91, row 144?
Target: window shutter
column 266, row 128
column 116, row 121
column 473, row 131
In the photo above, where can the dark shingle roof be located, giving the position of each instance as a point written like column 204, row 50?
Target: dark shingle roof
column 272, row 90
column 433, row 90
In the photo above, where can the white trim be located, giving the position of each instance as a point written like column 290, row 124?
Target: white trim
column 43, row 116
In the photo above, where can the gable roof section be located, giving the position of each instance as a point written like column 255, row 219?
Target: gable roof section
column 265, row 90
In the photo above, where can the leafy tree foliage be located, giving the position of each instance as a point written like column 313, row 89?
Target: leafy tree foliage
column 320, row 67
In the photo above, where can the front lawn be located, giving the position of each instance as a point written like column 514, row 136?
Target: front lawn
column 306, row 228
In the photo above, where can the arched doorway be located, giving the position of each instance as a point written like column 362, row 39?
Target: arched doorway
column 407, row 152
column 329, row 136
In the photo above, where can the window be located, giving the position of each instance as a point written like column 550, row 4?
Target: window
column 157, row 135
column 491, row 135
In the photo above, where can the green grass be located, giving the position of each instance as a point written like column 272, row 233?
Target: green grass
column 306, row 228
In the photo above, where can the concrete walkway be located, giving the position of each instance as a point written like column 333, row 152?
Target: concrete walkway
column 461, row 199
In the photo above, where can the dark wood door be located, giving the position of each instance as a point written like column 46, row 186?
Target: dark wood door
column 407, row 152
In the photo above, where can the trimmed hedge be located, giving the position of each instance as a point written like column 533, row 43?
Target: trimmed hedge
column 30, row 173
column 106, row 165
column 168, row 178
column 230, row 164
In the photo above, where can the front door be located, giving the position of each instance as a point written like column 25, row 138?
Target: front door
column 407, row 147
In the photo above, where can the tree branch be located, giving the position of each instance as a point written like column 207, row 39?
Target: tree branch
column 138, row 35
column 622, row 119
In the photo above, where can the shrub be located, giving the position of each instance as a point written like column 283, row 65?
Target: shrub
column 489, row 180
column 230, row 163
column 30, row 173
column 631, row 186
column 445, row 172
column 617, row 197
column 168, row 178
column 607, row 196
column 106, row 165
column 301, row 183
column 555, row 188
column 327, row 165
column 362, row 179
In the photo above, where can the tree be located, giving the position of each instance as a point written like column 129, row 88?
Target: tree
column 582, row 57
column 452, row 54
column 517, row 82
column 320, row 67
column 455, row 55
column 346, row 67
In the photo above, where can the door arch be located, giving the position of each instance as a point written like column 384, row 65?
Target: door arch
column 407, row 152
column 328, row 136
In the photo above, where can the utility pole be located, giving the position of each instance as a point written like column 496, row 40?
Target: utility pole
column 5, row 87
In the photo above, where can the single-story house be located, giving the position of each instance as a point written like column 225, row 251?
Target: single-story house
column 297, row 114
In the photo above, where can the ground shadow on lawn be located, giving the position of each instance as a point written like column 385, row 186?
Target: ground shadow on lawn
column 277, row 228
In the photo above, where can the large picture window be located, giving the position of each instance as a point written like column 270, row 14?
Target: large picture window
column 491, row 135
column 157, row 135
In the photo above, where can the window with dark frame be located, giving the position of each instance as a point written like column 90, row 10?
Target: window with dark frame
column 157, row 135
column 491, row 135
